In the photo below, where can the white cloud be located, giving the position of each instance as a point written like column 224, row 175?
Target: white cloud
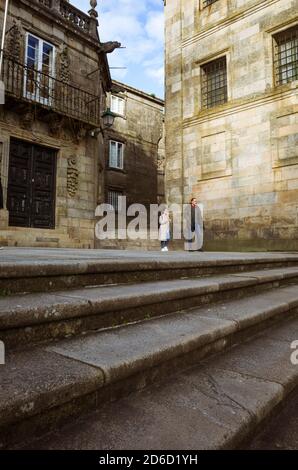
column 139, row 26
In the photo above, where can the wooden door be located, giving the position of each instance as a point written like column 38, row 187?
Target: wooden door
column 31, row 185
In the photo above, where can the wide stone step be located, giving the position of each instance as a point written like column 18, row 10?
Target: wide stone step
column 215, row 405
column 38, row 317
column 42, row 386
column 51, row 270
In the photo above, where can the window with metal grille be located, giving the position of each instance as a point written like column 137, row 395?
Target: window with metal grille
column 286, row 56
column 206, row 3
column 113, row 199
column 214, row 83
column 116, row 155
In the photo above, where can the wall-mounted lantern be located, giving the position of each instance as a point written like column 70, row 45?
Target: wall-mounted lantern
column 108, row 118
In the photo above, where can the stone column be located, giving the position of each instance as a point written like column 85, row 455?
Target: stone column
column 93, row 18
column 56, row 5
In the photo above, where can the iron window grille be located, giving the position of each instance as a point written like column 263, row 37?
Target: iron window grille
column 206, row 3
column 286, row 56
column 114, row 199
column 214, row 83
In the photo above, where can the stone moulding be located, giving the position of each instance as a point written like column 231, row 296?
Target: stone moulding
column 242, row 14
column 236, row 106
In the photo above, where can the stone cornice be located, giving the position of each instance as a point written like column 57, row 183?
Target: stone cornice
column 241, row 105
column 212, row 29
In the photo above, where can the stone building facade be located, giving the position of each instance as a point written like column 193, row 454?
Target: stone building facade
column 138, row 131
column 134, row 150
column 232, row 118
column 56, row 77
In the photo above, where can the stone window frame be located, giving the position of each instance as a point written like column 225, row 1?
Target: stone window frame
column 200, row 63
column 119, row 97
column 276, row 59
column 207, row 3
column 42, row 41
column 213, row 4
column 219, row 94
column 269, row 52
column 119, row 168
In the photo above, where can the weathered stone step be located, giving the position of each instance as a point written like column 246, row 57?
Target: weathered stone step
column 43, row 386
column 215, row 405
column 52, row 270
column 38, row 317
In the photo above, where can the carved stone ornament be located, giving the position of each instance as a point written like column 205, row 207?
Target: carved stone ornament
column 64, row 65
column 93, row 13
column 72, row 176
column 27, row 119
column 13, row 43
column 55, row 124
column 161, row 161
column 110, row 46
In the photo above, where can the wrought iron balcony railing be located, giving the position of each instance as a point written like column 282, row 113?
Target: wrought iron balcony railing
column 28, row 84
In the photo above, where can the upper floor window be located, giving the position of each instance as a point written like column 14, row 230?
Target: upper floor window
column 286, row 56
column 116, row 155
column 117, row 105
column 206, row 3
column 214, row 83
column 39, row 61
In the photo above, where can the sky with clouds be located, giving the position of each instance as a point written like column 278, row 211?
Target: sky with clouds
column 138, row 25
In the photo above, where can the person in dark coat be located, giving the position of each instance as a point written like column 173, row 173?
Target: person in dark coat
column 194, row 227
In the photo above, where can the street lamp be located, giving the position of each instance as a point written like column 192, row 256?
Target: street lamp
column 108, row 118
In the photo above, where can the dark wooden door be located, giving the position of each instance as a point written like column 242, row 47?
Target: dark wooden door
column 31, row 185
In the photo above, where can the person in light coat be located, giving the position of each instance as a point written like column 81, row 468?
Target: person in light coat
column 164, row 230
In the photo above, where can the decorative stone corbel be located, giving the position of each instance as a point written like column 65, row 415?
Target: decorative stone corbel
column 110, row 46
column 27, row 119
column 72, row 176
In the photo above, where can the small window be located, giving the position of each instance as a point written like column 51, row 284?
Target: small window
column 286, row 56
column 116, row 155
column 117, row 105
column 214, row 83
column 113, row 199
column 206, row 3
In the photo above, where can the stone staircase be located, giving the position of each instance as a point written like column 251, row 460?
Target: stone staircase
column 188, row 352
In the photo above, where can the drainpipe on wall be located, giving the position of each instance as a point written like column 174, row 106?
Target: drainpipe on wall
column 3, row 36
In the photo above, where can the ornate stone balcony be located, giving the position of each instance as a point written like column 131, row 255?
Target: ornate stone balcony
column 81, row 21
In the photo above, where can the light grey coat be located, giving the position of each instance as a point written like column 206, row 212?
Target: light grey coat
column 164, row 229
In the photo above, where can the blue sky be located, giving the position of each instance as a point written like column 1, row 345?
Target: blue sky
column 138, row 25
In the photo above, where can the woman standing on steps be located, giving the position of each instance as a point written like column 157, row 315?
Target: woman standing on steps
column 164, row 229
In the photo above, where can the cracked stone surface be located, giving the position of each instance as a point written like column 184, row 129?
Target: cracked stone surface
column 198, row 409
